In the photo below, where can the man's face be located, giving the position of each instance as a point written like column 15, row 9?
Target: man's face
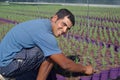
column 60, row 26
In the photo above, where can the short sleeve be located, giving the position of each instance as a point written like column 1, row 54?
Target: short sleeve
column 48, row 43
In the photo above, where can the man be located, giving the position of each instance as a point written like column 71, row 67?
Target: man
column 32, row 44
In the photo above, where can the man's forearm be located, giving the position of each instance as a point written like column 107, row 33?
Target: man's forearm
column 75, row 67
column 70, row 65
column 44, row 70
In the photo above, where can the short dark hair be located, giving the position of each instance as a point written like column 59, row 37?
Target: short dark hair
column 65, row 12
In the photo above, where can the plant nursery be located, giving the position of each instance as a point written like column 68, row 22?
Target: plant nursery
column 95, row 38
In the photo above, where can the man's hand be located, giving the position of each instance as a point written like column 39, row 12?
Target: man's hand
column 89, row 70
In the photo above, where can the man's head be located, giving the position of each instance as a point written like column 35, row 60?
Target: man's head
column 62, row 21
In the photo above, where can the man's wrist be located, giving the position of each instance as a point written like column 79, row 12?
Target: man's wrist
column 84, row 69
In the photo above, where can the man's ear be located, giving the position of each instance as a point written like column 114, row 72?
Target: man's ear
column 54, row 18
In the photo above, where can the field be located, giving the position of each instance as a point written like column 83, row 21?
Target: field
column 95, row 38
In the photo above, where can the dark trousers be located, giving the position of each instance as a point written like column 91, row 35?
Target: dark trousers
column 31, row 75
column 23, row 62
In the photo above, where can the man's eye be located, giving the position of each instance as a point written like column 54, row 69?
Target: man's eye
column 64, row 24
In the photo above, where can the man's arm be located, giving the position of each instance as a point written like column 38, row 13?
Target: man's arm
column 45, row 69
column 70, row 65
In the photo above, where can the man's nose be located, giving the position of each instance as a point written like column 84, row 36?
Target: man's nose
column 65, row 29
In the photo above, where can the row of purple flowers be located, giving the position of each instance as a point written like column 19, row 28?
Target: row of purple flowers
column 113, row 28
column 94, row 42
column 113, row 19
column 8, row 21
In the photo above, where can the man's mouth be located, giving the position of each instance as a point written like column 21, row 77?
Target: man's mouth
column 59, row 32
